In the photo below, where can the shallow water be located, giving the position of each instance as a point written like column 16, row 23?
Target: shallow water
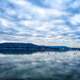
column 41, row 66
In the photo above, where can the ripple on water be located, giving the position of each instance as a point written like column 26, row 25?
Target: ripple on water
column 58, row 66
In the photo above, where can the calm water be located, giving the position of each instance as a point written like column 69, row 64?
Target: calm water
column 41, row 66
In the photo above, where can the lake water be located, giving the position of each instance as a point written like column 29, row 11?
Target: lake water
column 41, row 66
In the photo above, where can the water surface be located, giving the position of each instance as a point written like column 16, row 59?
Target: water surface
column 41, row 66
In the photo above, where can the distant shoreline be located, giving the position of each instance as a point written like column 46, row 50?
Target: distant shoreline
column 30, row 48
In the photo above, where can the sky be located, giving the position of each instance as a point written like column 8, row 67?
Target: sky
column 43, row 22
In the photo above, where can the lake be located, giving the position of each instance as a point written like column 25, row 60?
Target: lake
column 41, row 66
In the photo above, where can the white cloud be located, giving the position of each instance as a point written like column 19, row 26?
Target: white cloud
column 39, row 23
column 75, row 20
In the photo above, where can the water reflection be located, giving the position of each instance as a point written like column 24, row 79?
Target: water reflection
column 41, row 66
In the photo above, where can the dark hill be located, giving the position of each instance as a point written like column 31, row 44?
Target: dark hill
column 28, row 48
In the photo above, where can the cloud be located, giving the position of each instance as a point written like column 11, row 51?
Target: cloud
column 30, row 20
column 75, row 19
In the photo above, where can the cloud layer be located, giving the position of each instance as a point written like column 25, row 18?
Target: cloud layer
column 40, row 21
